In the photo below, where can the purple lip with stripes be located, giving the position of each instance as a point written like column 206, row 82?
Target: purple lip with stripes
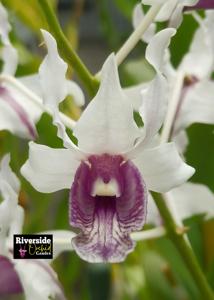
column 21, row 113
column 105, row 222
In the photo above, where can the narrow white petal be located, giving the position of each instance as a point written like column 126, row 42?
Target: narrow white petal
column 75, row 91
column 161, row 42
column 39, row 280
column 197, row 106
column 32, row 82
column 166, row 10
column 201, row 51
column 107, row 124
column 9, row 53
column 48, row 169
column 162, row 168
column 154, row 98
column 9, row 188
column 8, row 175
column 10, row 59
column 55, row 88
column 191, row 199
column 177, row 16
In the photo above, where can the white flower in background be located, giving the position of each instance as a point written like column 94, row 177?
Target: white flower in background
column 21, row 105
column 171, row 10
column 35, row 278
column 191, row 98
column 114, row 164
column 190, row 85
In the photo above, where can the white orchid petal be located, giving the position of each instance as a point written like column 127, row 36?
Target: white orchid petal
column 8, row 175
column 162, row 168
column 9, row 188
column 7, row 208
column 154, row 98
column 9, row 53
column 190, row 2
column 32, row 82
column 177, row 16
column 17, row 112
column 75, row 91
column 107, row 124
column 200, row 58
column 48, row 169
column 10, row 59
column 191, row 199
column 166, row 10
column 197, row 106
column 39, row 280
column 134, row 95
column 161, row 42
column 152, row 2
column 55, row 88
column 137, row 17
column 181, row 141
column 153, row 108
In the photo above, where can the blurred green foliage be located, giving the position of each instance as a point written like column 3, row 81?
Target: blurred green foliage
column 154, row 270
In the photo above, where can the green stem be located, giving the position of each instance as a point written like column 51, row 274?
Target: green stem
column 66, row 50
column 184, row 248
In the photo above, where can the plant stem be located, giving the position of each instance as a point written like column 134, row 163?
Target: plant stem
column 172, row 108
column 184, row 248
column 66, row 50
column 134, row 38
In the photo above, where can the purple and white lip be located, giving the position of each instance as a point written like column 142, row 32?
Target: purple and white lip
column 108, row 201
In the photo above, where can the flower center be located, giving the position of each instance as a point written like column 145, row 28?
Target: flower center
column 105, row 176
column 100, row 188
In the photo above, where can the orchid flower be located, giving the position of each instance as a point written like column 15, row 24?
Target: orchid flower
column 19, row 275
column 20, row 99
column 193, row 101
column 190, row 85
column 171, row 10
column 114, row 164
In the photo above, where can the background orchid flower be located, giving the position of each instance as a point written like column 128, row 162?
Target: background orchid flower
column 111, row 169
column 21, row 276
column 194, row 103
column 187, row 200
column 20, row 98
column 171, row 10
